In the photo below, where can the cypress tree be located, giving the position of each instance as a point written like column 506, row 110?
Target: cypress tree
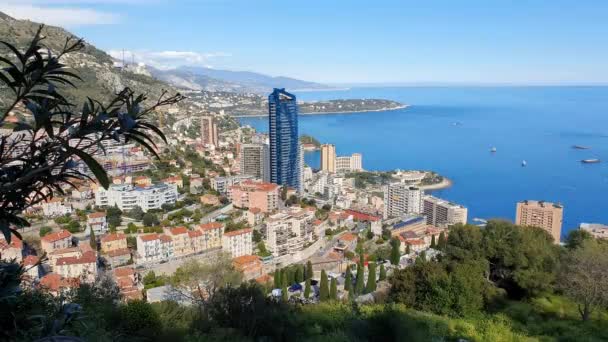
column 299, row 277
column 361, row 257
column 407, row 249
column 371, row 278
column 309, row 272
column 291, row 276
column 277, row 279
column 395, row 254
column 333, row 290
column 359, row 286
column 348, row 280
column 324, row 287
column 93, row 240
column 284, row 296
column 442, row 241
column 307, row 289
column 433, row 243
column 382, row 275
column 284, row 280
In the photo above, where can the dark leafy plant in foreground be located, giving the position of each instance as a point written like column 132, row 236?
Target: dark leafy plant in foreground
column 41, row 157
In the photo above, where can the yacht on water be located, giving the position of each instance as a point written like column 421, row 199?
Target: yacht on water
column 590, row 161
column 493, row 150
column 524, row 163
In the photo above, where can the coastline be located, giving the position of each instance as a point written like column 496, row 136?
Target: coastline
column 329, row 113
column 444, row 184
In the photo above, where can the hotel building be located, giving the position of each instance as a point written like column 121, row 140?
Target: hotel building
column 442, row 213
column 545, row 215
column 401, row 199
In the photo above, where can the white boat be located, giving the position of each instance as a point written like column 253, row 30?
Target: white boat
column 590, row 161
column 493, row 149
column 524, row 163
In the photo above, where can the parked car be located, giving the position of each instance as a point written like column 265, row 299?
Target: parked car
column 295, row 287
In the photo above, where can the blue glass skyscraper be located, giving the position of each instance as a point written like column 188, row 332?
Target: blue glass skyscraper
column 285, row 158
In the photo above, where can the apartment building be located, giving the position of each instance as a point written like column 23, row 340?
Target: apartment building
column 154, row 248
column 328, row 158
column 545, row 215
column 352, row 163
column 57, row 240
column 209, row 131
column 238, row 242
column 255, row 161
column 442, row 213
column 288, row 231
column 97, row 223
column 180, row 239
column 56, row 207
column 255, row 194
column 223, row 184
column 127, row 196
column 401, row 199
column 212, row 234
column 83, row 267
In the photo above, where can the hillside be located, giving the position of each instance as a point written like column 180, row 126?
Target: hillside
column 101, row 79
column 200, row 78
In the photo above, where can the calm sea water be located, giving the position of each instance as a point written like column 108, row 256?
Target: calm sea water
column 452, row 129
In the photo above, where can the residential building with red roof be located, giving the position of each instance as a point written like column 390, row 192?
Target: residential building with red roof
column 31, row 267
column 212, row 234
column 97, row 222
column 255, row 216
column 238, row 242
column 83, row 267
column 57, row 240
column 250, row 265
column 180, row 239
column 255, row 194
column 56, row 207
column 177, row 180
column 113, row 242
column 154, row 248
column 11, row 251
column 56, row 284
column 118, row 257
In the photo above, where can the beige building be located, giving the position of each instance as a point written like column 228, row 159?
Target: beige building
column 212, row 234
column 238, row 242
column 180, row 239
column 328, row 158
column 112, row 242
column 58, row 240
column 442, row 213
column 255, row 194
column 545, row 215
column 83, row 267
column 209, row 131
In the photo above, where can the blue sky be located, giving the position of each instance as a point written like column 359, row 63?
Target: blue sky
column 333, row 41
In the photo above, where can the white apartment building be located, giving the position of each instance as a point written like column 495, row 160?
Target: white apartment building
column 127, row 196
column 401, row 199
column 255, row 161
column 288, row 231
column 442, row 213
column 352, row 163
column 238, row 242
column 154, row 248
column 97, row 223
column 83, row 267
column 223, row 184
column 56, row 207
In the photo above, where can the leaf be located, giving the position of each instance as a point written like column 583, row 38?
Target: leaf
column 15, row 51
column 93, row 165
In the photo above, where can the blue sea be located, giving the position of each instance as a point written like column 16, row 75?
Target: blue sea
column 452, row 129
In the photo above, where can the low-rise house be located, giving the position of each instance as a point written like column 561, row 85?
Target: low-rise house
column 118, row 257
column 348, row 240
column 31, row 267
column 97, row 223
column 11, row 251
column 416, row 245
column 177, row 180
column 63, row 253
column 56, row 284
column 126, row 280
column 113, row 242
column 83, row 267
column 56, row 207
column 238, row 242
column 142, row 181
column 57, row 240
column 597, row 230
column 254, row 216
column 250, row 265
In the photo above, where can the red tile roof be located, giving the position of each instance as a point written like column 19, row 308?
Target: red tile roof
column 54, row 282
column 113, row 237
column 178, row 230
column 30, row 260
column 239, row 232
column 86, row 258
column 60, row 235
column 210, row 226
column 97, row 214
column 15, row 242
column 195, row 233
column 255, row 210
column 348, row 237
column 118, row 252
column 362, row 216
column 245, row 259
column 165, row 238
column 149, row 237
column 124, row 272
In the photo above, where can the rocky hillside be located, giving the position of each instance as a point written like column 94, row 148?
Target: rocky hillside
column 101, row 79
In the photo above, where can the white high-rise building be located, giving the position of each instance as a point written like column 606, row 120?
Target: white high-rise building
column 352, row 163
column 401, row 199
column 442, row 213
column 255, row 161
column 328, row 158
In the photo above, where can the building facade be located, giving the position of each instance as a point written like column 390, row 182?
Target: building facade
column 352, row 163
column 58, row 240
column 401, row 199
column 238, row 242
column 285, row 155
column 255, row 161
column 112, row 242
column 255, row 194
column 442, row 213
column 154, row 248
column 328, row 158
column 97, row 223
column 545, row 215
column 127, row 196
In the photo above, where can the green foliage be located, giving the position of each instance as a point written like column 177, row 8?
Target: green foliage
column 139, row 318
column 284, row 294
column 333, row 289
column 93, row 240
column 433, row 243
column 299, row 274
column 371, row 278
column 136, row 213
column 132, row 242
column 73, row 227
column 45, row 230
column 323, row 287
column 576, row 238
column 359, row 284
column 442, row 241
column 257, row 236
column 307, row 288
column 382, row 275
column 151, row 280
column 395, row 253
column 150, row 220
column 262, row 251
column 348, row 280
column 277, row 279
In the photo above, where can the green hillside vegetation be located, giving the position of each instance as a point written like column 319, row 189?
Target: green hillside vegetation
column 307, row 139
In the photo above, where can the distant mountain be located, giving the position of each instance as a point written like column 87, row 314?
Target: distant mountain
column 201, row 78
column 101, row 77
